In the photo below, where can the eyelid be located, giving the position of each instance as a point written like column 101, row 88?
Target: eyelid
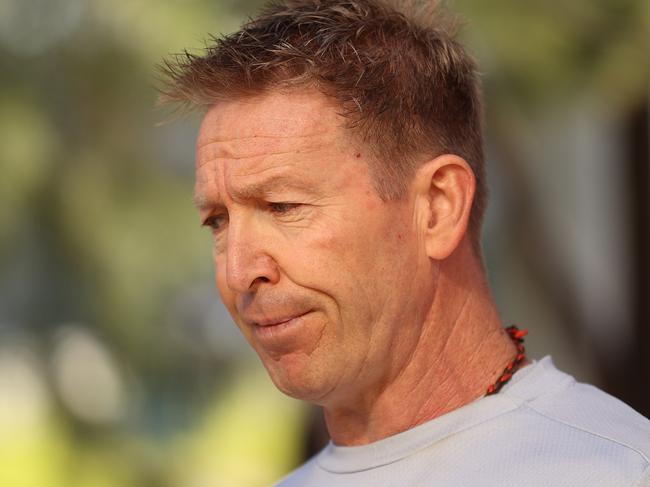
column 216, row 221
column 282, row 206
column 211, row 221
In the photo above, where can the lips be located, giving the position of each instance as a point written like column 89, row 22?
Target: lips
column 281, row 334
column 276, row 321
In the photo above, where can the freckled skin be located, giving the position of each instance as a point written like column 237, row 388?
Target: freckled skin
column 343, row 255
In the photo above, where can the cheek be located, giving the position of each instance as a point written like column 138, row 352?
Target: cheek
column 337, row 258
column 372, row 253
column 323, row 251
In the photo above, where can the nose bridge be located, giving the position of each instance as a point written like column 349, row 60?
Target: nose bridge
column 248, row 261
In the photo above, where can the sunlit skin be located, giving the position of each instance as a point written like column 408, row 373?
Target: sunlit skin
column 376, row 310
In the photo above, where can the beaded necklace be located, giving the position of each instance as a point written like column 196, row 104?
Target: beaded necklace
column 517, row 337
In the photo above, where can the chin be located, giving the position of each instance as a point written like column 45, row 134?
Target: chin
column 300, row 378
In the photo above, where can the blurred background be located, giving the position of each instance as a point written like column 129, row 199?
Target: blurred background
column 118, row 364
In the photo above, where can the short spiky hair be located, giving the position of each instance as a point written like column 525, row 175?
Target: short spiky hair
column 407, row 88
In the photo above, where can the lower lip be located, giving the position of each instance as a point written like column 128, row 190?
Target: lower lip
column 279, row 330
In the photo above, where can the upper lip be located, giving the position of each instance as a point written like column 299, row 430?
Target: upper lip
column 274, row 320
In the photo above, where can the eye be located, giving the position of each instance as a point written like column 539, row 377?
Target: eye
column 215, row 222
column 282, row 207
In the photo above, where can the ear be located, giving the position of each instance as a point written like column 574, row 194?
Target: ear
column 444, row 190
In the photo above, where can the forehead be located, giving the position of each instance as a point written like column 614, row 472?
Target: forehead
column 255, row 147
column 270, row 124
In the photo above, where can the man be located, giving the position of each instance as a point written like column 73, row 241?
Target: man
column 340, row 169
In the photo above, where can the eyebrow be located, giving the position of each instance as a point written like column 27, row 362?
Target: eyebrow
column 268, row 184
column 203, row 202
column 255, row 190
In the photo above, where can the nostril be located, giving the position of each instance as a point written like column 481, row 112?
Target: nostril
column 260, row 280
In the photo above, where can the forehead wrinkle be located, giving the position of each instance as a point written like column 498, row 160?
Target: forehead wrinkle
column 241, row 143
column 249, row 124
column 267, row 186
column 217, row 140
column 244, row 147
column 201, row 161
column 247, row 178
column 249, row 184
column 227, row 147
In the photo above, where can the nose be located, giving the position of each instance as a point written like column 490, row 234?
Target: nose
column 248, row 262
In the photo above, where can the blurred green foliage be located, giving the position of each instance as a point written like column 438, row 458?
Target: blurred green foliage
column 98, row 237
column 536, row 52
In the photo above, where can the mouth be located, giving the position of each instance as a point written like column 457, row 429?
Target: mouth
column 277, row 321
column 278, row 329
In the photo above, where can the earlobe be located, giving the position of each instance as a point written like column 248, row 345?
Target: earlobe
column 445, row 187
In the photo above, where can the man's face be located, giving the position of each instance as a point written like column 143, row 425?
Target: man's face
column 323, row 278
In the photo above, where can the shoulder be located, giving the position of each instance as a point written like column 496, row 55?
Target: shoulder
column 583, row 424
column 586, row 410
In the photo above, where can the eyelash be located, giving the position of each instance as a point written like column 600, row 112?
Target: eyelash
column 281, row 208
column 215, row 222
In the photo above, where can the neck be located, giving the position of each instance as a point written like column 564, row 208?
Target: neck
column 461, row 350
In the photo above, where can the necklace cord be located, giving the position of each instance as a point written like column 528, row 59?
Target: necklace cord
column 517, row 337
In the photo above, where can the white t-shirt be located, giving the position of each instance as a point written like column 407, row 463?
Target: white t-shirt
column 543, row 429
